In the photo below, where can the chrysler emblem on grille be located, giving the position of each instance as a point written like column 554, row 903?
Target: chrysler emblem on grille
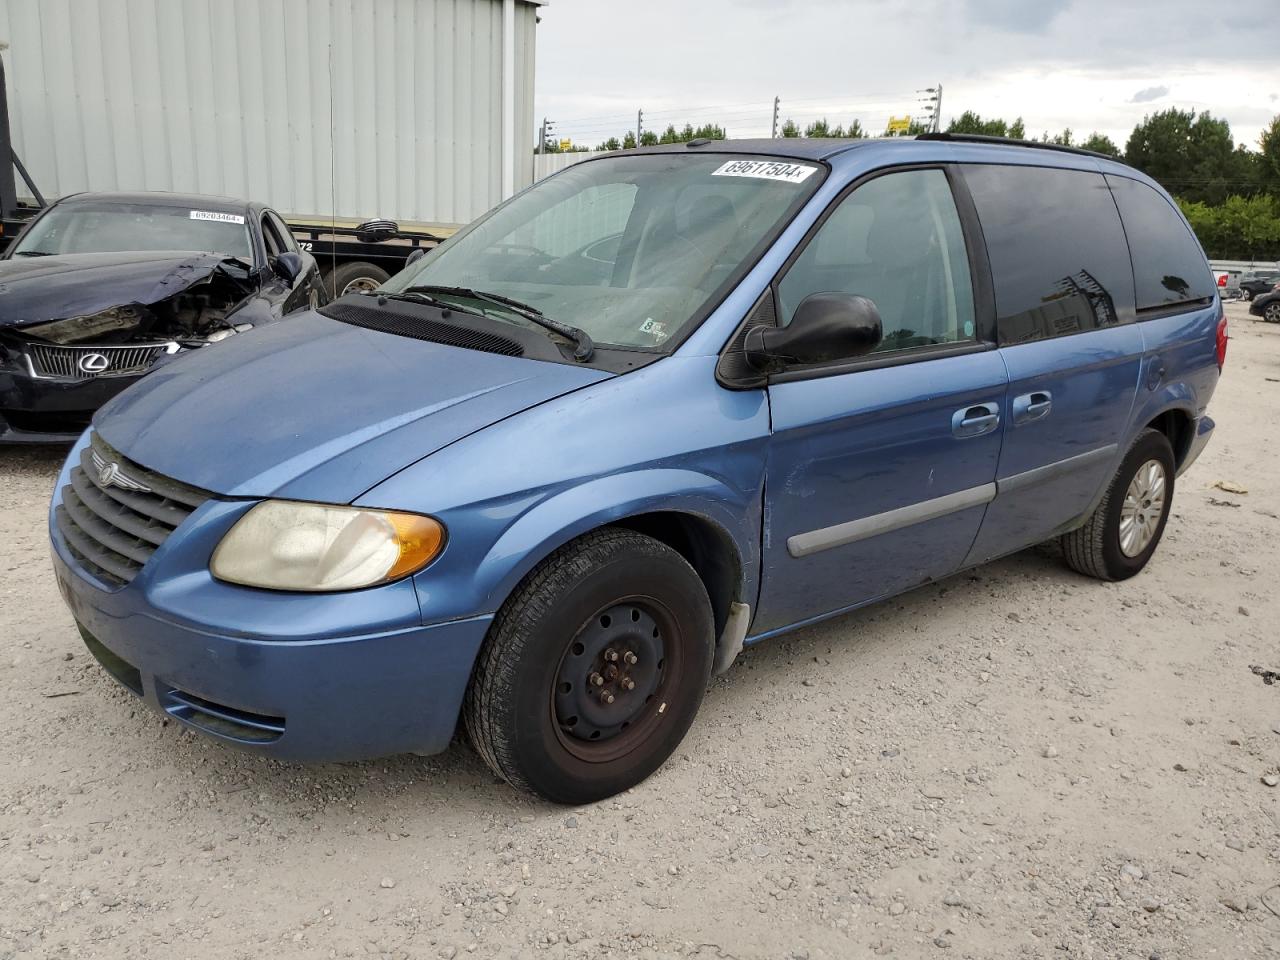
column 109, row 473
column 93, row 363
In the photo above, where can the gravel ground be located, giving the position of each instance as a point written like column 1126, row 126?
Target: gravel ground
column 1016, row 762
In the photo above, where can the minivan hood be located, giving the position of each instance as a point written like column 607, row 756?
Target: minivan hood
column 36, row 289
column 310, row 408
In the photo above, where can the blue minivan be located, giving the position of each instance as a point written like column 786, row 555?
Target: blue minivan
column 668, row 402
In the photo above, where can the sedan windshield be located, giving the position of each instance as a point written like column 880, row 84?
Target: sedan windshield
column 630, row 249
column 104, row 227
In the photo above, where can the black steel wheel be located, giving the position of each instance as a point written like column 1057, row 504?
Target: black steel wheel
column 594, row 669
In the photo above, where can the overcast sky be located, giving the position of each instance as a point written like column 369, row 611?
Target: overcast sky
column 1084, row 64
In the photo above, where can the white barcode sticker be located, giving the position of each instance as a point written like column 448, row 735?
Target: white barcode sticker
column 765, row 170
column 216, row 215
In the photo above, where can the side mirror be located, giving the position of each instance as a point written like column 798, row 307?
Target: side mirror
column 826, row 327
column 416, row 254
column 287, row 266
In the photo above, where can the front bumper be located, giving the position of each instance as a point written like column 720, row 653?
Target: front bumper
column 346, row 698
column 315, row 677
column 40, row 410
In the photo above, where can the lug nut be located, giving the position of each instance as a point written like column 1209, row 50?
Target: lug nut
column 606, row 698
column 628, row 683
column 596, row 680
column 631, row 658
column 611, row 655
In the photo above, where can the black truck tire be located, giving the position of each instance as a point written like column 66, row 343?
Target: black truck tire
column 593, row 669
column 354, row 277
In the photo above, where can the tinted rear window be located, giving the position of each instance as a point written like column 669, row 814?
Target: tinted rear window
column 1058, row 256
column 1168, row 267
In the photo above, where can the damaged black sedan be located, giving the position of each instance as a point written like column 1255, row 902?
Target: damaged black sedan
column 101, row 289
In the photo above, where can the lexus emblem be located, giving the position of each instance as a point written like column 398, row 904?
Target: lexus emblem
column 93, row 363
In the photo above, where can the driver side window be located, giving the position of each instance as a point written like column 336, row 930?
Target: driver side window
column 896, row 240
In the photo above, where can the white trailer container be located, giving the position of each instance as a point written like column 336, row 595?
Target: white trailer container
column 413, row 110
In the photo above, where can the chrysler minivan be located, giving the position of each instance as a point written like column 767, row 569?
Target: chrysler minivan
column 551, row 478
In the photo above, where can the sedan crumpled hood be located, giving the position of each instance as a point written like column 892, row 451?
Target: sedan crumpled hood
column 37, row 289
column 310, row 408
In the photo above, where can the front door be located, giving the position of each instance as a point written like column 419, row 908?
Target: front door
column 879, row 471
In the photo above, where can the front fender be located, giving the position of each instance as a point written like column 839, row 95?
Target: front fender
column 570, row 514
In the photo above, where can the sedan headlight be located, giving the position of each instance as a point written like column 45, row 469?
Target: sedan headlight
column 283, row 545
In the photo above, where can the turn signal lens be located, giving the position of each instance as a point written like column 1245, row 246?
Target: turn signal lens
column 315, row 547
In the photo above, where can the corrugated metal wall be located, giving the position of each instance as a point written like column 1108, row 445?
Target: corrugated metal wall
column 360, row 108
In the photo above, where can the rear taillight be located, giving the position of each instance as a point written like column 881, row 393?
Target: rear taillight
column 1222, row 279
column 1222, row 339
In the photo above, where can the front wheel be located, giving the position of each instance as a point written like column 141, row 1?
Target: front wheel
column 593, row 670
column 1271, row 313
column 1247, row 295
column 1125, row 528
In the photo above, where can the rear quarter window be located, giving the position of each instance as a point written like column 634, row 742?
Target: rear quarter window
column 1059, row 262
column 1168, row 266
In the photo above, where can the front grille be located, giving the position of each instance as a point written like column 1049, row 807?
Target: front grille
column 86, row 363
column 114, row 513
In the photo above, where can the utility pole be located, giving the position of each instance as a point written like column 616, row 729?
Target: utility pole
column 639, row 125
column 776, row 103
column 542, row 137
column 933, row 108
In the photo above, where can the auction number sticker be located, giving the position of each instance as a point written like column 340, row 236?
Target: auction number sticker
column 766, row 170
column 215, row 215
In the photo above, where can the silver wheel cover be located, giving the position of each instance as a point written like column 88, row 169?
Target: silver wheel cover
column 1143, row 507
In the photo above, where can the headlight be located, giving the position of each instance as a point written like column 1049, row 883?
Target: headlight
column 283, row 545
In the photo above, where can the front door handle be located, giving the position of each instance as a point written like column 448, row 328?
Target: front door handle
column 1031, row 407
column 975, row 420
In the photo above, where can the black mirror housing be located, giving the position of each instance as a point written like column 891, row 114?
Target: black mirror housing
column 287, row 266
column 826, row 327
column 416, row 254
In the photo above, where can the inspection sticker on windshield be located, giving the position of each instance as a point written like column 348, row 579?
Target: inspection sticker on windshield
column 765, row 170
column 215, row 215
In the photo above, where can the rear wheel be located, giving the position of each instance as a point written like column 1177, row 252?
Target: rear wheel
column 593, row 670
column 1271, row 313
column 355, row 277
column 1247, row 294
column 1124, row 530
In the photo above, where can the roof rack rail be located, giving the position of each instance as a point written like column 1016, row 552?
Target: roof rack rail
column 1007, row 141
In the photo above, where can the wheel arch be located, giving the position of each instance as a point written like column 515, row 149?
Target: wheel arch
column 698, row 516
column 1179, row 427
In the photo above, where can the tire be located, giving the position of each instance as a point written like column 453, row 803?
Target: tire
column 1247, row 295
column 533, row 709
column 1271, row 312
column 1099, row 548
column 353, row 278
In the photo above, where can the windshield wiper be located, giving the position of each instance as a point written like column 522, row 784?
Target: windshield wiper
column 583, row 347
column 32, row 253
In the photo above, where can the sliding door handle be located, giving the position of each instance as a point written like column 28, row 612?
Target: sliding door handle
column 1031, row 407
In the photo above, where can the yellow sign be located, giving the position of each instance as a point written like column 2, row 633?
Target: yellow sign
column 899, row 124
column 566, row 146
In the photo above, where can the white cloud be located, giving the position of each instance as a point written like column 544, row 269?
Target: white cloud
column 1062, row 63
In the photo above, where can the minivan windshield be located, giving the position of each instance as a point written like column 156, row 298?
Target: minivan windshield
column 630, row 249
column 93, row 226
